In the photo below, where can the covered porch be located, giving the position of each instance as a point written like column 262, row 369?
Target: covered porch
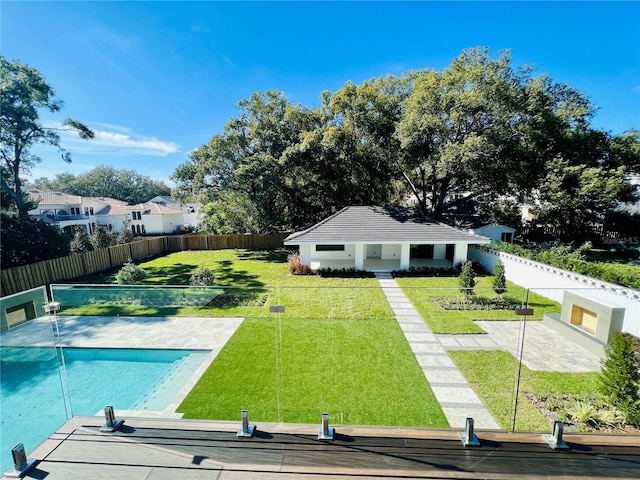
column 380, row 265
column 380, row 257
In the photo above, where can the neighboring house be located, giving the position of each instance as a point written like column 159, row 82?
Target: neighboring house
column 190, row 209
column 67, row 211
column 495, row 232
column 147, row 218
column 381, row 239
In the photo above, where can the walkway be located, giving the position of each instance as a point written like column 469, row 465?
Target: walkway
column 456, row 397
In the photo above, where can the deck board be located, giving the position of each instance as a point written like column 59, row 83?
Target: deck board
column 162, row 449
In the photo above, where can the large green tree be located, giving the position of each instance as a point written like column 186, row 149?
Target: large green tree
column 479, row 127
column 102, row 181
column 23, row 93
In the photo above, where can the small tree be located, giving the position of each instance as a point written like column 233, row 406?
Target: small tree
column 130, row 274
column 125, row 235
column 81, row 241
column 203, row 276
column 101, row 237
column 619, row 379
column 499, row 279
column 467, row 279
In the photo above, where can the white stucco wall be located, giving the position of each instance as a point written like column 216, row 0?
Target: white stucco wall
column 349, row 253
column 551, row 283
column 374, row 251
column 460, row 253
column 391, row 252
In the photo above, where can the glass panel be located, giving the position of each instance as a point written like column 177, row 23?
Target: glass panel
column 32, row 404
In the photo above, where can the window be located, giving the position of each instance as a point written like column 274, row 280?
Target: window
column 136, row 215
column 329, row 248
column 506, row 237
column 144, row 230
column 88, row 210
column 138, row 229
column 133, row 228
column 75, row 210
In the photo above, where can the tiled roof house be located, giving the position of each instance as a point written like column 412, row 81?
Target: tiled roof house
column 381, row 239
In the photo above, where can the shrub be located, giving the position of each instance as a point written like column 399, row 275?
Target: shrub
column 467, row 279
column 81, row 241
column 583, row 411
column 625, row 275
column 499, row 279
column 130, row 274
column 620, row 376
column 125, row 235
column 203, row 277
column 426, row 271
column 28, row 241
column 296, row 267
column 101, row 238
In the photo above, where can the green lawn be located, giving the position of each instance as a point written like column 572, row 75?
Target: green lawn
column 492, row 375
column 291, row 370
column 421, row 290
column 337, row 347
column 252, row 281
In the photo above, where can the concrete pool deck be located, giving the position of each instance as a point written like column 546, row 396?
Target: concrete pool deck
column 191, row 333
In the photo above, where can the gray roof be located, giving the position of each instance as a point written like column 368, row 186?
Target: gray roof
column 381, row 225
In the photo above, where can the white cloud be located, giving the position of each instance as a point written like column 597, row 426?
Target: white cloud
column 115, row 140
column 139, row 144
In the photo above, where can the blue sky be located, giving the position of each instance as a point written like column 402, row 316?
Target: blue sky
column 158, row 79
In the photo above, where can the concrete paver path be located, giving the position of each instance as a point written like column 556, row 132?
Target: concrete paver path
column 456, row 397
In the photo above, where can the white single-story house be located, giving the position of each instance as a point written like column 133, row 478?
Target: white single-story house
column 496, row 232
column 382, row 239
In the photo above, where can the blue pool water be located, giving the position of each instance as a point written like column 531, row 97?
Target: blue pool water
column 32, row 403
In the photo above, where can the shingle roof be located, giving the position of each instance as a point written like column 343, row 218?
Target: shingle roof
column 380, row 225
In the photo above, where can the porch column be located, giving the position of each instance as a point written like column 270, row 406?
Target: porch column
column 359, row 256
column 439, row 251
column 405, row 256
column 305, row 254
column 460, row 253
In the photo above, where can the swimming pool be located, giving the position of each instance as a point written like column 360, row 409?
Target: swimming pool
column 32, row 403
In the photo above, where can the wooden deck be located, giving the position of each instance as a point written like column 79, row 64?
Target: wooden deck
column 155, row 449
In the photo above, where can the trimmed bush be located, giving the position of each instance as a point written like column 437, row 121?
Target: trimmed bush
column 202, row 277
column 130, row 274
column 467, row 279
column 620, row 376
column 499, row 279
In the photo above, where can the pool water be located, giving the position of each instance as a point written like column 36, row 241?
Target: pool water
column 32, row 403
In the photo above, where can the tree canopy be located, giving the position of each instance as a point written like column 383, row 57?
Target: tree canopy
column 23, row 93
column 480, row 127
column 103, row 181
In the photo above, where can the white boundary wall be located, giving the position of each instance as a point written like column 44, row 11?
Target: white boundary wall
column 551, row 282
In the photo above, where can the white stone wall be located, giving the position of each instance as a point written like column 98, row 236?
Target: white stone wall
column 551, row 282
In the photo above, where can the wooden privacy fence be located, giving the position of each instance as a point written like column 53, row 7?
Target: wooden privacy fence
column 18, row 279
